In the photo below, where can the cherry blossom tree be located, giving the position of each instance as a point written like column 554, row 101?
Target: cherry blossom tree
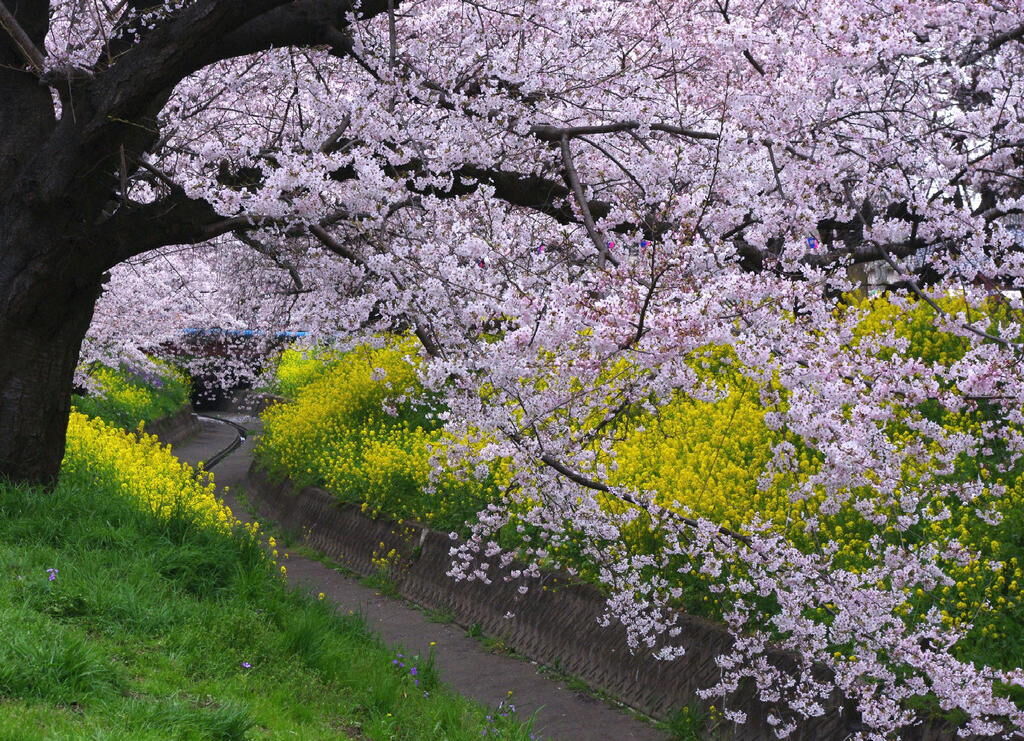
column 589, row 185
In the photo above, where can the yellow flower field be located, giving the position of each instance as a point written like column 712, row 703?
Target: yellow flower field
column 144, row 470
column 704, row 459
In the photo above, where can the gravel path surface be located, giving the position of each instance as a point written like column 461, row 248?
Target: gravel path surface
column 562, row 714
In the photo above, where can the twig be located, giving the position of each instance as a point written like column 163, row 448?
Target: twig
column 581, row 199
column 123, row 168
column 775, row 168
column 29, row 51
column 615, row 160
column 912, row 284
column 432, row 348
column 640, row 328
column 281, row 262
column 584, row 481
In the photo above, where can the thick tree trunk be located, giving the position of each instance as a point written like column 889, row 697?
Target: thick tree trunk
column 45, row 310
column 49, row 278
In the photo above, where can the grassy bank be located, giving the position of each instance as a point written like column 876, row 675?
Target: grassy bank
column 132, row 605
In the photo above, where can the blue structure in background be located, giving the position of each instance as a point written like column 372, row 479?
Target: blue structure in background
column 218, row 332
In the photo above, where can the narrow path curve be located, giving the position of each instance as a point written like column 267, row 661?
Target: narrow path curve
column 562, row 714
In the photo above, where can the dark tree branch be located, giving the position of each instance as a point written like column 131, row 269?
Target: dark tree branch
column 392, row 35
column 337, row 247
column 534, row 192
column 753, row 62
column 175, row 48
column 300, row 23
column 178, row 219
column 28, row 50
column 551, row 133
column 994, row 44
column 175, row 219
column 113, row 116
column 334, row 143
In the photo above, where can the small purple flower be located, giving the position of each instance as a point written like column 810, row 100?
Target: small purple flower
column 52, row 574
column 414, row 671
column 246, row 665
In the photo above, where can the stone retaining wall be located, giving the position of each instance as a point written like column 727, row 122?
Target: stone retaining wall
column 554, row 623
column 175, row 428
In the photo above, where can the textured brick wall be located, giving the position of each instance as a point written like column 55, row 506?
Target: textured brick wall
column 557, row 626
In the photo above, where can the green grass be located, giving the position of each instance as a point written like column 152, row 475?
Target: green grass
column 148, row 627
column 693, row 723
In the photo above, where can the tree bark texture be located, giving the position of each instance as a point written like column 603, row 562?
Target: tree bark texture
column 45, row 311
